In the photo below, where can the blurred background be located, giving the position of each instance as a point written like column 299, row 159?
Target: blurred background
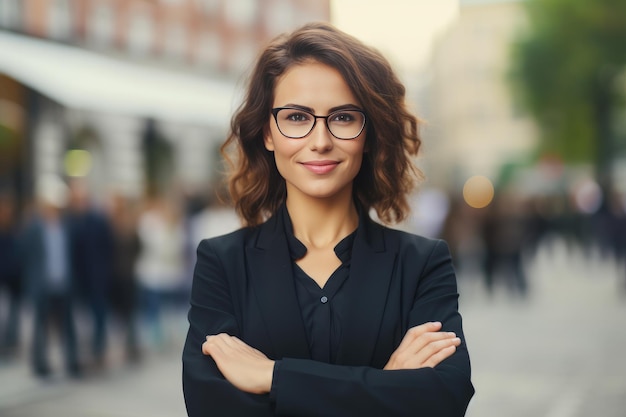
column 111, row 117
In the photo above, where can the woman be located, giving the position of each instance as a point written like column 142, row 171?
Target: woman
column 313, row 309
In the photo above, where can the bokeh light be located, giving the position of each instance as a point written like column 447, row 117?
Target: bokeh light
column 478, row 191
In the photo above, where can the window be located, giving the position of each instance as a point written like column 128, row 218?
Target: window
column 60, row 20
column 140, row 33
column 241, row 13
column 280, row 17
column 175, row 41
column 11, row 14
column 209, row 7
column 209, row 49
column 243, row 55
column 101, row 24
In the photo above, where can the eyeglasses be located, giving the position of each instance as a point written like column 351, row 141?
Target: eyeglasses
column 296, row 123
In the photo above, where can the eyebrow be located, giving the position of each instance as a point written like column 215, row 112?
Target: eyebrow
column 331, row 110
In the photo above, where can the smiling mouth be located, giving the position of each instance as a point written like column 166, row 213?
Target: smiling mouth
column 320, row 167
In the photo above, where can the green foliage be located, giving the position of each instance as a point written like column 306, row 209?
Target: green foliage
column 566, row 71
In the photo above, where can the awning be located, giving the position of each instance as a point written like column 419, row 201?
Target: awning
column 81, row 79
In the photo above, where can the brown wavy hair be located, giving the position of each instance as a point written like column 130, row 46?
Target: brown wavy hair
column 387, row 172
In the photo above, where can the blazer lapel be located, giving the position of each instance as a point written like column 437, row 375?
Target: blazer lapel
column 270, row 272
column 370, row 276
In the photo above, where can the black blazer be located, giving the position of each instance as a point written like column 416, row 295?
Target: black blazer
column 243, row 285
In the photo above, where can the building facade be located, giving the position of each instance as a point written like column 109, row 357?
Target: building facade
column 474, row 125
column 127, row 81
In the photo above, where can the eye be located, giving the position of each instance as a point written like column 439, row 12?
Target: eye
column 295, row 116
column 345, row 117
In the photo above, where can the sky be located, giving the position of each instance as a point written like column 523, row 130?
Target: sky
column 403, row 30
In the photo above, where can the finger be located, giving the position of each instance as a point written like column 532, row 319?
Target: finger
column 417, row 338
column 416, row 331
column 239, row 347
column 426, row 339
column 228, row 341
column 434, row 348
column 206, row 345
column 230, row 346
column 223, row 339
column 418, row 358
column 213, row 346
column 440, row 356
column 431, row 326
column 249, row 349
column 237, row 342
column 219, row 336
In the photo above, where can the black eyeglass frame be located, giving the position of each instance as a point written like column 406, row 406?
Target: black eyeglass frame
column 275, row 111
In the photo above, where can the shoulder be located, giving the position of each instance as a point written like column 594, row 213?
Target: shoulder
column 225, row 255
column 410, row 244
column 231, row 242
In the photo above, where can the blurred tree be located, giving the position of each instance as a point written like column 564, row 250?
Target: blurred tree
column 569, row 71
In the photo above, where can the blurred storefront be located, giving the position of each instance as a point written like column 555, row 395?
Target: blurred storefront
column 132, row 94
column 76, row 99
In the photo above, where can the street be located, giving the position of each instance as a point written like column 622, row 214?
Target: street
column 556, row 353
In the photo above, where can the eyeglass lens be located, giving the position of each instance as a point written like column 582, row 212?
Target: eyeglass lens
column 343, row 124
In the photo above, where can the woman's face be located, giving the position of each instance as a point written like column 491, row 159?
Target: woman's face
column 318, row 165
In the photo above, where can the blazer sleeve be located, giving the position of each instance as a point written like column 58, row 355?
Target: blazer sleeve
column 300, row 386
column 206, row 391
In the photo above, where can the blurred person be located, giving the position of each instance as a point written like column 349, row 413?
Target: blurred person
column 160, row 265
column 461, row 230
column 610, row 228
column 540, row 222
column 620, row 243
column 10, row 275
column 214, row 219
column 92, row 247
column 313, row 308
column 505, row 231
column 607, row 224
column 126, row 248
column 47, row 262
column 430, row 207
column 567, row 221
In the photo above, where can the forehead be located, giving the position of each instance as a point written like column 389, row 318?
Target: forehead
column 314, row 85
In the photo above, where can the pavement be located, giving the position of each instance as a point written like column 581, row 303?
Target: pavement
column 559, row 352
column 150, row 386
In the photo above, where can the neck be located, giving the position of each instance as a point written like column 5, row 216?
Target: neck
column 321, row 223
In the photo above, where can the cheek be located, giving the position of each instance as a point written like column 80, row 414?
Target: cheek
column 286, row 148
column 358, row 163
column 357, row 154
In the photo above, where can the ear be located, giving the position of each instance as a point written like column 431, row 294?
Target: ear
column 268, row 140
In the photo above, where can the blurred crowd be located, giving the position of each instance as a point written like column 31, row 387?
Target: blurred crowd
column 500, row 239
column 83, row 275
column 90, row 274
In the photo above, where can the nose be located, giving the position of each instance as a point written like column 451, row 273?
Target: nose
column 320, row 139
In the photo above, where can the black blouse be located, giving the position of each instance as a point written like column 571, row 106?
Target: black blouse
column 322, row 309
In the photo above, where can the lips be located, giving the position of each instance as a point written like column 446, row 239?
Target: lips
column 320, row 167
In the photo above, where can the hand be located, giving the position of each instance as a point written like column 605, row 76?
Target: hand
column 423, row 346
column 245, row 367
